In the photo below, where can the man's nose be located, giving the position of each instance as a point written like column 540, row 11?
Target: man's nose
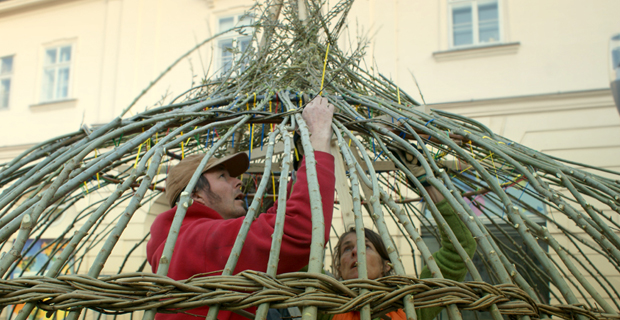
column 354, row 251
column 237, row 183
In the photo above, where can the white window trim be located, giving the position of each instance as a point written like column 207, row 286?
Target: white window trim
column 42, row 68
column 10, row 77
column 475, row 24
column 232, row 35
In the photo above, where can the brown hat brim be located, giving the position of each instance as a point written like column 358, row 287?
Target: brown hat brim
column 180, row 175
column 236, row 164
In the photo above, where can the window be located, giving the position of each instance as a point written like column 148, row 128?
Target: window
column 235, row 42
column 474, row 22
column 6, row 71
column 56, row 72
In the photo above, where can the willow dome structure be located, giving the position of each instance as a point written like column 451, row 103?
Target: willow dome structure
column 547, row 232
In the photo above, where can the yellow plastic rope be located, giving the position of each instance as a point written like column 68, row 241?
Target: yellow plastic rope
column 251, row 138
column 301, row 98
column 271, row 124
column 182, row 149
column 251, row 126
column 273, row 181
column 135, row 165
column 507, row 183
column 190, row 138
column 493, row 162
column 478, row 161
column 98, row 184
column 324, row 66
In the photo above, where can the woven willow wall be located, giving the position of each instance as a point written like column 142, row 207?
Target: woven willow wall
column 547, row 232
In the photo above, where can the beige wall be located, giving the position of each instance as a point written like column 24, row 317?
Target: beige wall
column 119, row 48
column 562, row 47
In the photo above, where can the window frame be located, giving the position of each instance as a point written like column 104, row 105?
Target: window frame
column 473, row 4
column 56, row 66
column 233, row 36
column 6, row 76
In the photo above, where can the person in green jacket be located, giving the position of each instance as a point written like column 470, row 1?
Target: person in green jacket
column 378, row 264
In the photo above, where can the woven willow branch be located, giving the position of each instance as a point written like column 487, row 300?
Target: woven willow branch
column 140, row 291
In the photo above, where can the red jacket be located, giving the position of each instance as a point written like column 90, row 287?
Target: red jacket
column 205, row 239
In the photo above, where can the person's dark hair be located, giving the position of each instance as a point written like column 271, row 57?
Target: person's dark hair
column 373, row 237
column 201, row 184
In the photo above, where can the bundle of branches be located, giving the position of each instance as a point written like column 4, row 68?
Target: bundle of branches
column 516, row 202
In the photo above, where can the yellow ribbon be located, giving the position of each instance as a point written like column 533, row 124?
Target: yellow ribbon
column 324, row 67
column 98, row 184
column 135, row 165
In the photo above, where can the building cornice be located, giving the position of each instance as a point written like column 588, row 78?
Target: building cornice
column 480, row 51
column 8, row 153
column 21, row 5
column 527, row 104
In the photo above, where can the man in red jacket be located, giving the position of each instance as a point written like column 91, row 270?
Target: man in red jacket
column 212, row 222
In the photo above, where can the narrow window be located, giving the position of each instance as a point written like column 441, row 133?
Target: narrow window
column 234, row 43
column 488, row 22
column 474, row 22
column 56, row 72
column 462, row 26
column 6, row 72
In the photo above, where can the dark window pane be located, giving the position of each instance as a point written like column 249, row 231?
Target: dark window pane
column 226, row 47
column 49, row 80
column 5, row 89
column 462, row 30
column 487, row 11
column 244, row 20
column 615, row 58
column 7, row 65
column 65, row 54
column 50, row 56
column 226, row 24
column 244, row 43
column 62, row 90
column 461, row 16
column 488, row 22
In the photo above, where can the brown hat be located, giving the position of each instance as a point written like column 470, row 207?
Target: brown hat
column 179, row 175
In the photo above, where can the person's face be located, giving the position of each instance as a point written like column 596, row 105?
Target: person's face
column 375, row 265
column 224, row 194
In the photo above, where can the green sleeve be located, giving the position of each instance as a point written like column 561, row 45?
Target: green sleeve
column 450, row 263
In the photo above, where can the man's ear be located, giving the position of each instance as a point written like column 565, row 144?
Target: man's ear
column 196, row 197
column 387, row 267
